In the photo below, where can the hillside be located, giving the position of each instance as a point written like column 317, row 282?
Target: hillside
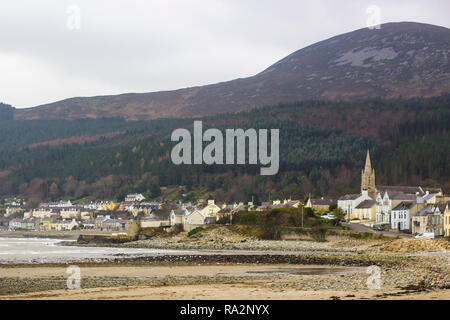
column 322, row 150
column 401, row 59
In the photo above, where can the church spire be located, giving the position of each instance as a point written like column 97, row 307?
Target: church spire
column 368, row 167
column 368, row 178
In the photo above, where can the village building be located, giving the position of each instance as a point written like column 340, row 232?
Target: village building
column 319, row 204
column 136, row 197
column 45, row 224
column 23, row 224
column 58, row 204
column 195, row 217
column 88, row 224
column 211, row 209
column 45, row 212
column 389, row 200
column 71, row 212
column 366, row 210
column 428, row 220
column 401, row 215
column 114, row 224
column 13, row 210
column 349, row 202
column 65, row 225
column 447, row 220
column 178, row 216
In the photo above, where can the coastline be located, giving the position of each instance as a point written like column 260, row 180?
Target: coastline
column 71, row 235
column 236, row 268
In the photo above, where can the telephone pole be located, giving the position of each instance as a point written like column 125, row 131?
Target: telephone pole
column 302, row 216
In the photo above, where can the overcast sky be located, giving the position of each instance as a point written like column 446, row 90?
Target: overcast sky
column 47, row 53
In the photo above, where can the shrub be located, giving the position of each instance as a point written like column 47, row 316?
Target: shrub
column 249, row 218
column 195, row 231
column 272, row 223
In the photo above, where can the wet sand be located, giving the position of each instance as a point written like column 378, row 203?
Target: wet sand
column 272, row 285
column 164, row 271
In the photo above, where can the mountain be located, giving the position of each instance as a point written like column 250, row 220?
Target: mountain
column 398, row 60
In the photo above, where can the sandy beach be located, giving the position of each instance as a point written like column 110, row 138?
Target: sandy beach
column 214, row 282
column 198, row 270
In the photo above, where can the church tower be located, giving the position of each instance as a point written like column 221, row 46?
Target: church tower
column 368, row 178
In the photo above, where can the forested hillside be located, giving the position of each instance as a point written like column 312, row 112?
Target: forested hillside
column 322, row 150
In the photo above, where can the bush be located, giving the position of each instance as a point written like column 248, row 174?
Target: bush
column 272, row 224
column 309, row 212
column 195, row 231
column 248, row 218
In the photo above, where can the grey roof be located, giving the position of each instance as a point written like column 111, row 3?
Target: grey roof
column 366, row 204
column 403, row 196
column 424, row 212
column 116, row 221
column 405, row 205
column 180, row 212
column 324, row 201
column 400, row 189
column 350, row 197
column 430, row 196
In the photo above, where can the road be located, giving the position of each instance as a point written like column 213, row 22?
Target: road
column 362, row 228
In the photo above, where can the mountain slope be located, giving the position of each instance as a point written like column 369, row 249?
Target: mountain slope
column 401, row 59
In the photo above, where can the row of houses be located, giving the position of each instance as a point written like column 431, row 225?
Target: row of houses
column 191, row 216
column 102, row 223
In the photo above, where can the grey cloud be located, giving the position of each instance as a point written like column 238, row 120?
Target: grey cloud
column 142, row 46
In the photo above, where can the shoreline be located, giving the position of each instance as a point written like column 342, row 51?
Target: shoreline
column 254, row 269
column 70, row 235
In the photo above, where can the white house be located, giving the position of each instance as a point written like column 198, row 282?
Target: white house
column 387, row 201
column 60, row 204
column 349, row 202
column 401, row 215
column 136, row 197
column 68, row 225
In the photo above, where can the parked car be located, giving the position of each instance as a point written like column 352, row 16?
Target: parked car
column 377, row 227
column 429, row 235
column 327, row 216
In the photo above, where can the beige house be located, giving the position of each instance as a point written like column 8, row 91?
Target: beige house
column 65, row 225
column 44, row 212
column 447, row 220
column 366, row 210
column 195, row 218
column 70, row 213
column 178, row 217
column 320, row 203
column 45, row 224
column 428, row 220
column 211, row 209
